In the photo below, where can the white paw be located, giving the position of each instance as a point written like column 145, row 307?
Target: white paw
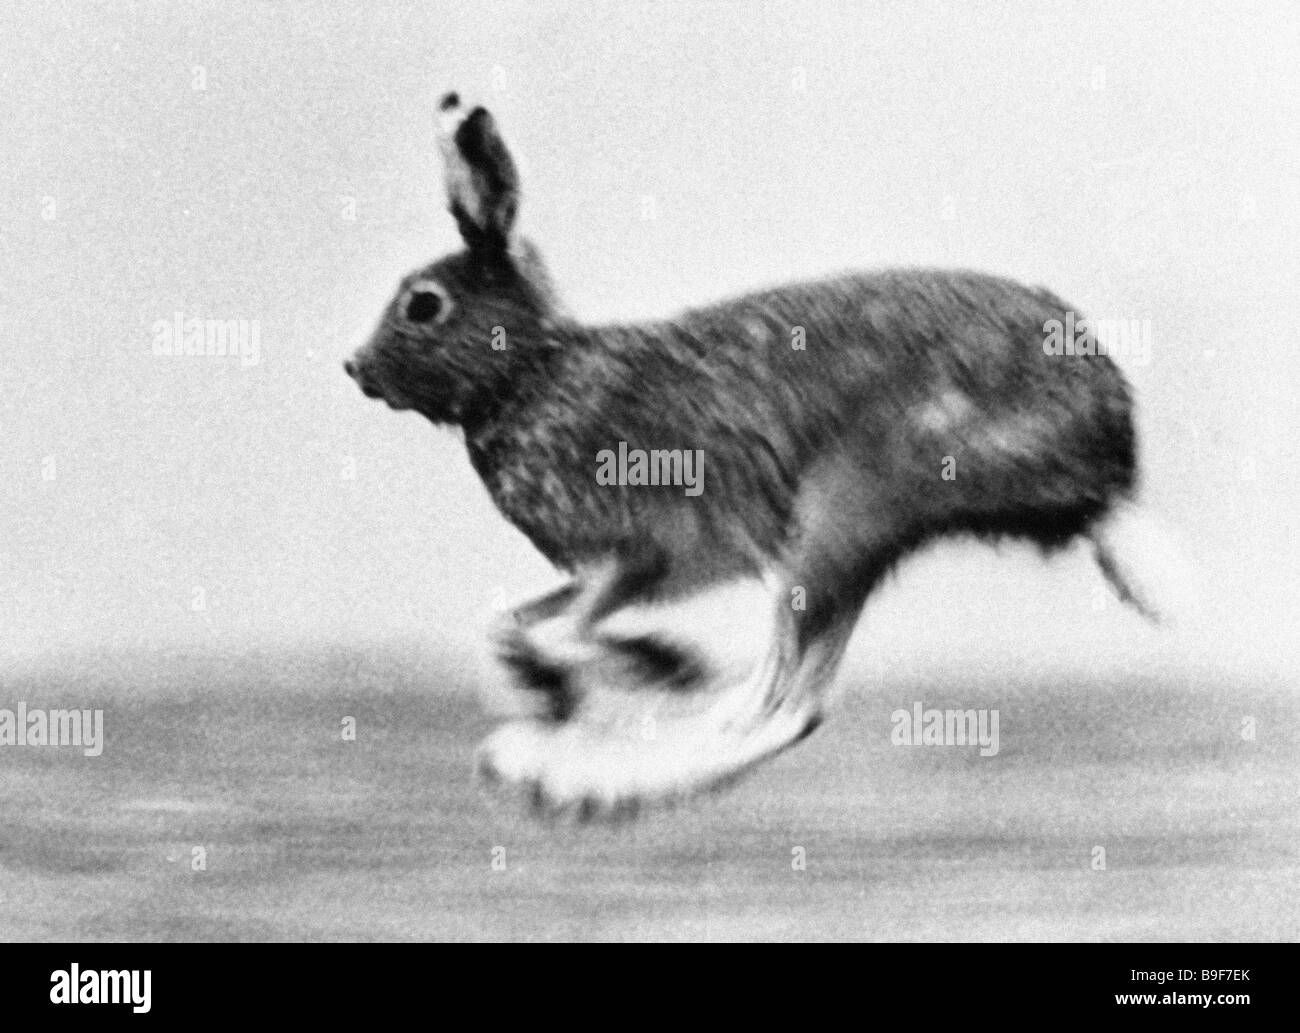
column 559, row 770
column 609, row 772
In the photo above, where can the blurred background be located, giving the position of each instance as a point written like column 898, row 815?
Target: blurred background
column 275, row 163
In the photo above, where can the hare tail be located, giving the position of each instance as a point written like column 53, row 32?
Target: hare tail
column 1144, row 564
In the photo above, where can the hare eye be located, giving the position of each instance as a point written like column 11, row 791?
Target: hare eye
column 427, row 302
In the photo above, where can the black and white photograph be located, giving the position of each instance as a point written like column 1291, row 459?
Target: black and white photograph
column 650, row 472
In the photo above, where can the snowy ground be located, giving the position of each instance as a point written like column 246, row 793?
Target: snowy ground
column 306, row 836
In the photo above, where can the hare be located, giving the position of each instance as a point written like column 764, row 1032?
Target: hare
column 840, row 424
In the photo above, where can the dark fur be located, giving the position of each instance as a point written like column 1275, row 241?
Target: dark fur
column 824, row 463
column 1045, row 445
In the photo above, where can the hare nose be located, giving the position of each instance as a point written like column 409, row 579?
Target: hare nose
column 350, row 368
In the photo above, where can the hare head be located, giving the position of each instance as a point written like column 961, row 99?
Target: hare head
column 465, row 331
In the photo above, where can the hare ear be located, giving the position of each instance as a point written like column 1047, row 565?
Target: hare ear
column 482, row 182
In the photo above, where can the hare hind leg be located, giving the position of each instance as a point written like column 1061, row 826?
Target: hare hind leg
column 635, row 734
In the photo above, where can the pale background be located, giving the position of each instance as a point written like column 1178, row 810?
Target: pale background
column 777, row 141
column 1139, row 159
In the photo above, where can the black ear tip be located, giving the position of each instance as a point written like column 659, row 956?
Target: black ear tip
column 449, row 101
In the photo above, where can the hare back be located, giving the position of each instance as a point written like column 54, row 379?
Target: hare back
column 929, row 393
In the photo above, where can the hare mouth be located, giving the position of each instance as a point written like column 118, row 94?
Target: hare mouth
column 391, row 399
column 370, row 389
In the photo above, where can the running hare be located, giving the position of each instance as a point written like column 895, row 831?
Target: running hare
column 832, row 427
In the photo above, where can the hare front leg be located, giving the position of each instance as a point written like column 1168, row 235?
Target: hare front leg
column 540, row 682
column 548, row 644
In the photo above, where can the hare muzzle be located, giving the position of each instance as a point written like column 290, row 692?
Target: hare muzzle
column 371, row 385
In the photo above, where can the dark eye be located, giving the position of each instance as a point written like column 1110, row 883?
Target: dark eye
column 423, row 306
column 426, row 302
